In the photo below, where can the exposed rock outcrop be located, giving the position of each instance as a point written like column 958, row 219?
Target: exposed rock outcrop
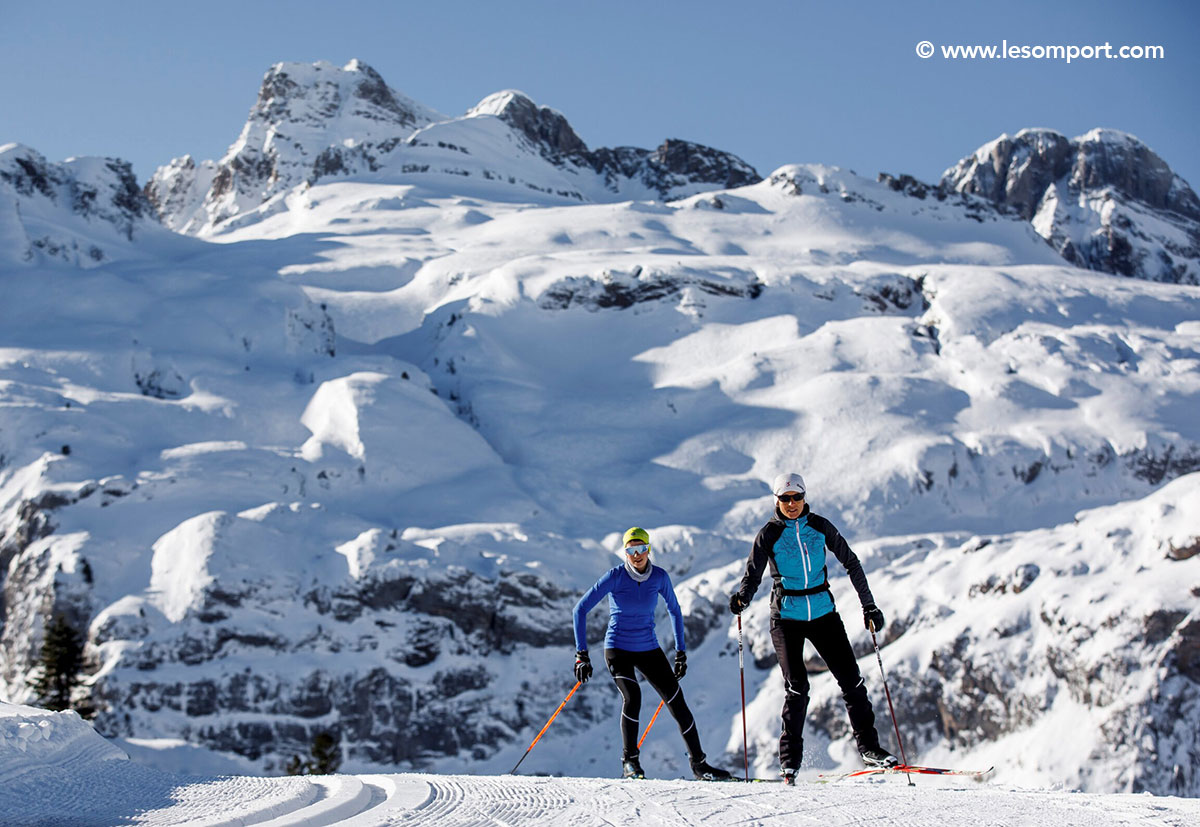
column 1104, row 200
column 545, row 128
column 308, row 121
column 78, row 212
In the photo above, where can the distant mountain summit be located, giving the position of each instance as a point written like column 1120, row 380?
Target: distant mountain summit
column 309, row 120
column 672, row 166
column 77, row 212
column 1104, row 200
column 545, row 128
column 314, row 122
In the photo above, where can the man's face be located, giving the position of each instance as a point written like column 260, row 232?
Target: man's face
column 791, row 504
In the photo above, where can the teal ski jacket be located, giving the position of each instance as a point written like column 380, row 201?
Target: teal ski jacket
column 795, row 550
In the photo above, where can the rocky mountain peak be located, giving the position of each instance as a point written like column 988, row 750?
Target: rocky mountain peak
column 1014, row 170
column 1110, row 158
column 178, row 190
column 65, row 211
column 546, row 128
column 315, row 94
column 697, row 162
column 673, row 165
column 312, row 122
column 1100, row 199
column 309, row 120
column 302, row 109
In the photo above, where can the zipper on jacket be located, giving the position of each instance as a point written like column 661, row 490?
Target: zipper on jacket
column 807, row 569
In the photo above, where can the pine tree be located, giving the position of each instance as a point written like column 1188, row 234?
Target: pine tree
column 61, row 662
column 326, row 757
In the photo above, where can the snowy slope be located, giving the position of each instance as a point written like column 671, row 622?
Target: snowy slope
column 95, row 786
column 346, row 466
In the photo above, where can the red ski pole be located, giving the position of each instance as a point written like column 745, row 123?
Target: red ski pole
column 891, row 709
column 652, row 717
column 548, row 723
column 742, row 670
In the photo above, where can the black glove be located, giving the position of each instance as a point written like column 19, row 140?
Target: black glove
column 872, row 617
column 735, row 603
column 583, row 666
column 680, row 665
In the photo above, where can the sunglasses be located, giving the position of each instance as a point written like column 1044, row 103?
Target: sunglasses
column 633, row 551
column 790, row 498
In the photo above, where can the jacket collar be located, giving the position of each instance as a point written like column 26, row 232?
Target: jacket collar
column 782, row 520
column 638, row 577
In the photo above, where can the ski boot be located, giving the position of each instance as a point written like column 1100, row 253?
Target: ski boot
column 703, row 771
column 632, row 768
column 878, row 757
column 789, row 776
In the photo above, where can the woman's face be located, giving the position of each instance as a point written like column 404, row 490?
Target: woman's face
column 790, row 504
column 638, row 553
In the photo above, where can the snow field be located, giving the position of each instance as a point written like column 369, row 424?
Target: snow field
column 111, row 790
column 57, row 771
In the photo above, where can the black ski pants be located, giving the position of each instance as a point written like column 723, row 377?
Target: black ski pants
column 658, row 673
column 828, row 636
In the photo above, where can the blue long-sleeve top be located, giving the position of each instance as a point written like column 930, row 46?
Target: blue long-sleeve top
column 631, row 608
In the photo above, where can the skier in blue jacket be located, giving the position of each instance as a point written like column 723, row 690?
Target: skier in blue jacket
column 633, row 590
column 794, row 543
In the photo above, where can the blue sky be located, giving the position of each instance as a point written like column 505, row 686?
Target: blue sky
column 773, row 82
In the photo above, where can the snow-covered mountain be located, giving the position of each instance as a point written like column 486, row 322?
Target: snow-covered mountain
column 349, row 468
column 1104, row 200
column 308, row 121
column 316, row 122
column 84, row 212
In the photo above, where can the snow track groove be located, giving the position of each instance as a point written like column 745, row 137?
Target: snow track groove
column 339, row 797
column 468, row 801
column 121, row 792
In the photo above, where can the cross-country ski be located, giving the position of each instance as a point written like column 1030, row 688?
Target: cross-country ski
column 902, row 769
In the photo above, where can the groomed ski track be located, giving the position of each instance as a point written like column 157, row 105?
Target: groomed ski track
column 507, row 800
column 139, row 797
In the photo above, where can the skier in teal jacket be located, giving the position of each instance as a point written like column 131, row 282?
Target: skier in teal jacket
column 794, row 544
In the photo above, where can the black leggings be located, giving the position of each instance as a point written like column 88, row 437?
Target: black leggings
column 828, row 637
column 657, row 671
